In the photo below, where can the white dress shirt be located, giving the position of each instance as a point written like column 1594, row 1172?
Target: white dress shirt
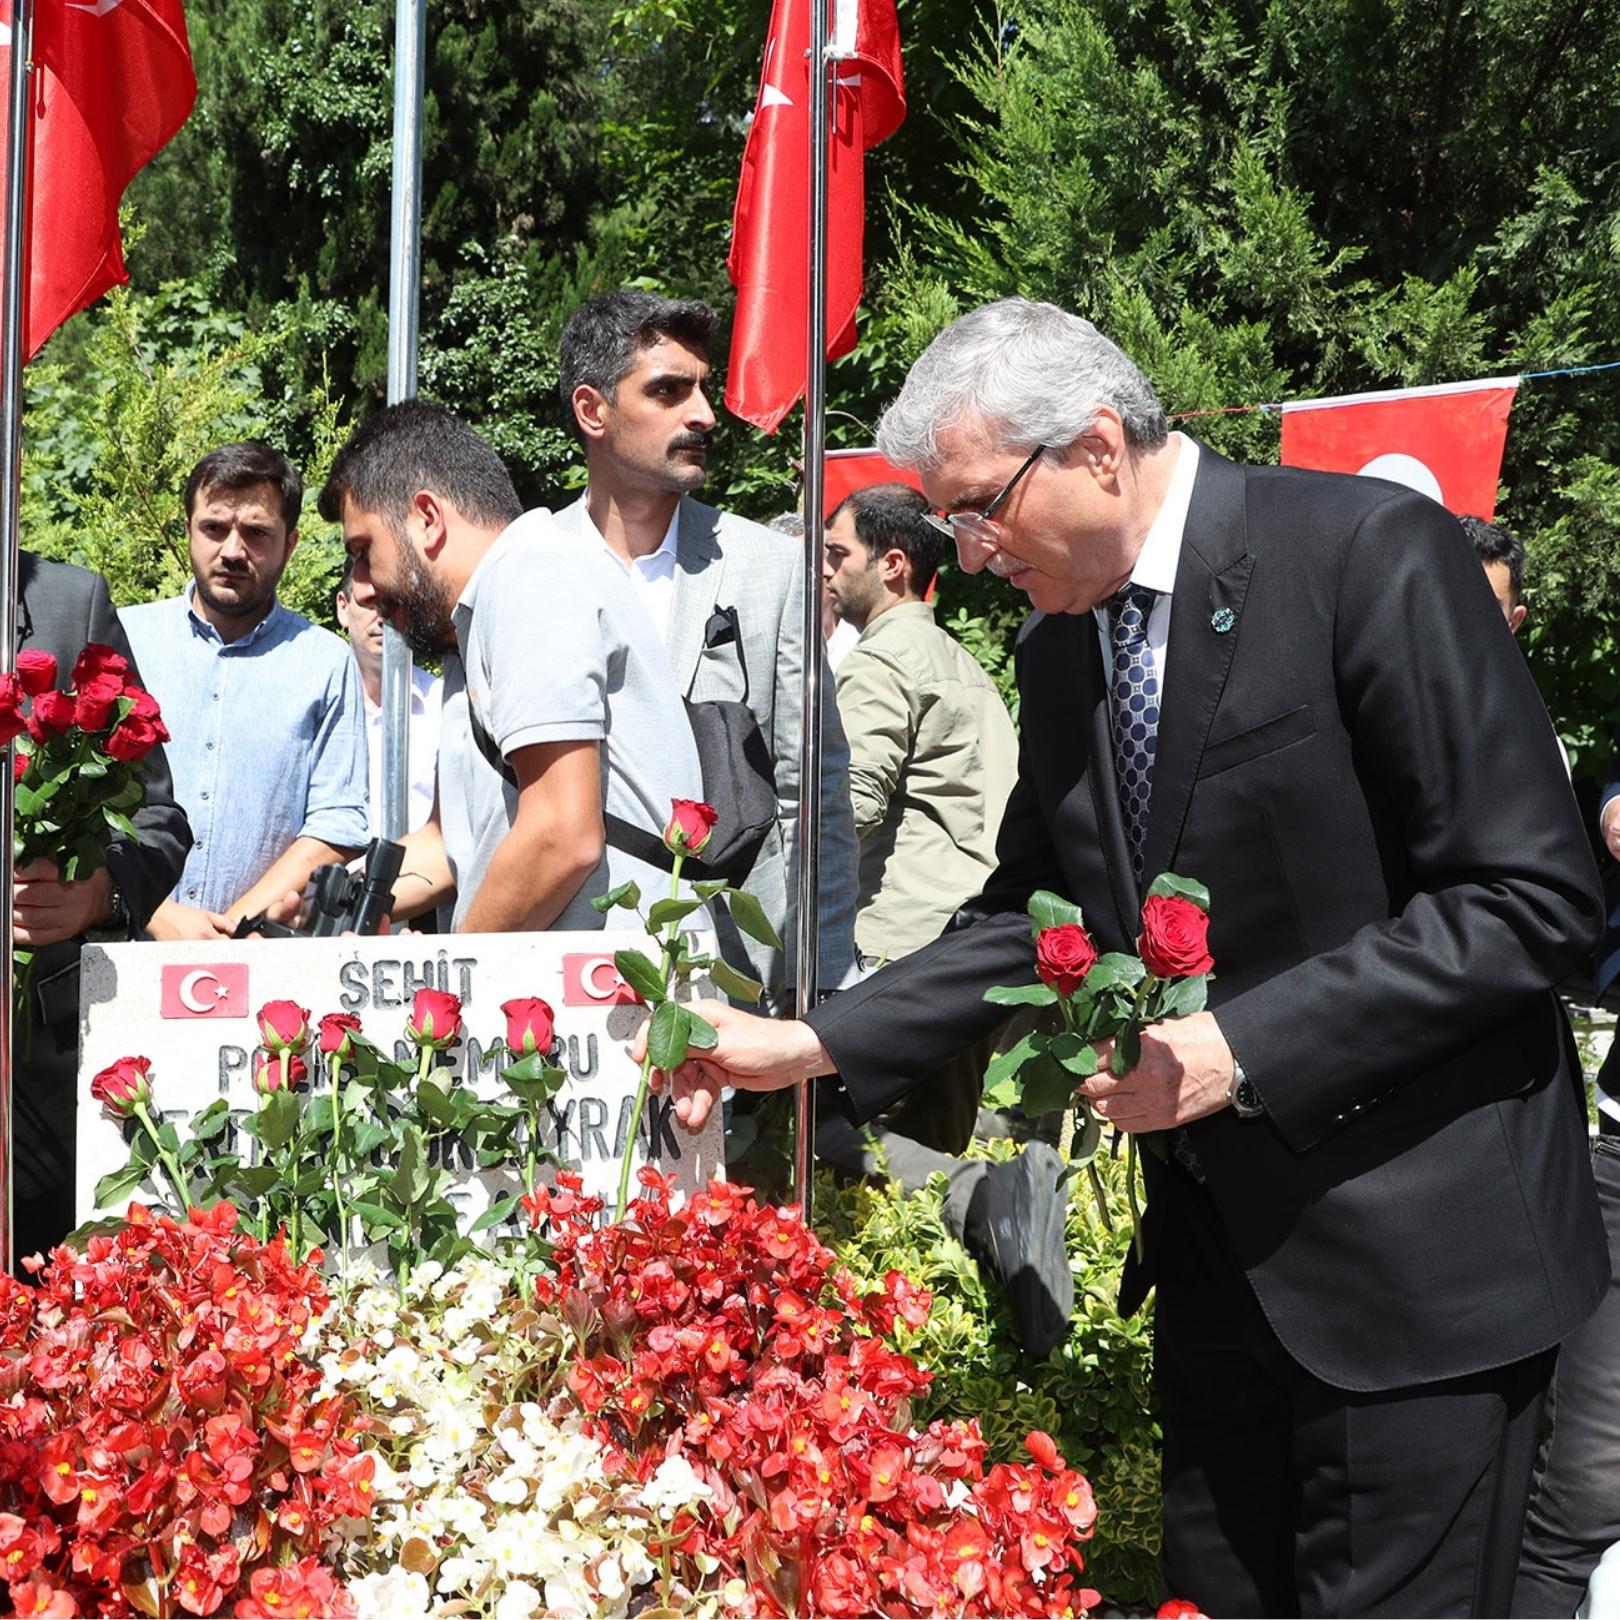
column 422, row 744
column 1156, row 565
column 652, row 577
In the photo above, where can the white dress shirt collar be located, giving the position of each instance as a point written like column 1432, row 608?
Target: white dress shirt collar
column 1161, row 551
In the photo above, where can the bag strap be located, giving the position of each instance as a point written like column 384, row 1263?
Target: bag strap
column 726, row 615
column 621, row 834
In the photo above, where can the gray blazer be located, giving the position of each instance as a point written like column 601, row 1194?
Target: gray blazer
column 727, row 561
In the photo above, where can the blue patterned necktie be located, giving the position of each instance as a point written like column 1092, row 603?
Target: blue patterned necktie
column 1135, row 691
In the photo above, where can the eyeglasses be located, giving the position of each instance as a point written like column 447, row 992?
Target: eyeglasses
column 982, row 526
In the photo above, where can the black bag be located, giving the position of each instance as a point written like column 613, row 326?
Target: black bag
column 739, row 779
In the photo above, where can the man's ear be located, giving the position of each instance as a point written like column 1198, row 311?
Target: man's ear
column 429, row 515
column 590, row 411
column 1516, row 618
column 292, row 541
column 1100, row 450
column 894, row 568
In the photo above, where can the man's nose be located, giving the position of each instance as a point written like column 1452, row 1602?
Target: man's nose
column 234, row 546
column 972, row 553
column 700, row 418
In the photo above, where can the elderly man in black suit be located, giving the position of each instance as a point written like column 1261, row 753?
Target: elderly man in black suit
column 1379, row 1220
column 60, row 610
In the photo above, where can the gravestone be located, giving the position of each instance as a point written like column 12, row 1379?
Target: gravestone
column 192, row 1010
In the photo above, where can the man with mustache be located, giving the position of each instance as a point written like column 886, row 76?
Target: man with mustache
column 556, row 706
column 634, row 380
column 268, row 750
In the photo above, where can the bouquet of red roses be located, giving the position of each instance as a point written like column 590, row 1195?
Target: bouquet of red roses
column 1113, row 996
column 82, row 774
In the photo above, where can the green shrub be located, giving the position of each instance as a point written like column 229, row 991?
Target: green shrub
column 1093, row 1396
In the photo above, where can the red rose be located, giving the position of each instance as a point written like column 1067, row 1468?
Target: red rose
column 12, row 723
column 19, row 765
column 283, row 1025
column 143, row 705
column 98, row 660
column 1064, row 956
column 53, row 711
column 134, row 739
column 530, row 1025
column 121, row 1085
column 94, row 701
column 690, row 826
column 336, row 1028
column 1174, row 943
column 435, row 1019
column 36, row 670
column 267, row 1072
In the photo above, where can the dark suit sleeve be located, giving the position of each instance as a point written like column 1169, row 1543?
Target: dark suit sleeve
column 887, row 1033
column 1484, row 844
column 145, row 872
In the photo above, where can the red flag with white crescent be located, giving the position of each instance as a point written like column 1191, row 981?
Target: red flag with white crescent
column 1445, row 441
column 113, row 84
column 769, row 261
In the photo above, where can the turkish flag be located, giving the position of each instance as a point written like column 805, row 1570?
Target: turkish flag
column 1445, row 441
column 769, row 261
column 849, row 470
column 113, row 83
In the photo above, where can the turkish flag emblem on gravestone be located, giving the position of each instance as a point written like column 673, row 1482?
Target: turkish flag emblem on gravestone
column 1445, row 441
column 204, row 990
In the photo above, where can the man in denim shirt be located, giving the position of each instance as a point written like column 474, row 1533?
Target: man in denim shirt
column 269, row 750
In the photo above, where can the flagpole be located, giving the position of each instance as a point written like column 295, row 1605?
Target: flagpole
column 404, row 300
column 815, row 405
column 13, row 289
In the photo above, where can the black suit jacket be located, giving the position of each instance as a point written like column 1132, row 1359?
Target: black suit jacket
column 60, row 610
column 1362, row 772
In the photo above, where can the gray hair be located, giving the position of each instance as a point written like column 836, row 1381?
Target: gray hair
column 1030, row 373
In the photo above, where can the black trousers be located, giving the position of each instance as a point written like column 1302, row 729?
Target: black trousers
column 1284, row 1495
column 1575, row 1509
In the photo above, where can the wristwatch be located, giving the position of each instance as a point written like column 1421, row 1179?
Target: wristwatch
column 1245, row 1100
column 119, row 924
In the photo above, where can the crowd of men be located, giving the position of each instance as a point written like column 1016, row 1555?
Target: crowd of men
column 1378, row 1221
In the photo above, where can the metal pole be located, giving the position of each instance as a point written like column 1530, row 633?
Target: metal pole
column 404, row 299
column 815, row 405
column 13, row 293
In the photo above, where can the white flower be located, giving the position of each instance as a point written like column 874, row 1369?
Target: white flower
column 674, row 1486
column 511, row 1488
column 511, row 1552
column 461, row 1574
column 610, row 1580
column 392, row 1594
column 569, row 1594
column 519, row 1601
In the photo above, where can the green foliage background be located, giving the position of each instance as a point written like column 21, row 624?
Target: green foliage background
column 1261, row 199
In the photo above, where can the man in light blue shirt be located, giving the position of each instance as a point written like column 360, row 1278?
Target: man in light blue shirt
column 265, row 708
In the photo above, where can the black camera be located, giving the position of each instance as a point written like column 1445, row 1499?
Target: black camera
column 341, row 901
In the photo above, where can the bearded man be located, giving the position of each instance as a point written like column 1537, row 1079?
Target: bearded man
column 556, row 705
column 264, row 708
